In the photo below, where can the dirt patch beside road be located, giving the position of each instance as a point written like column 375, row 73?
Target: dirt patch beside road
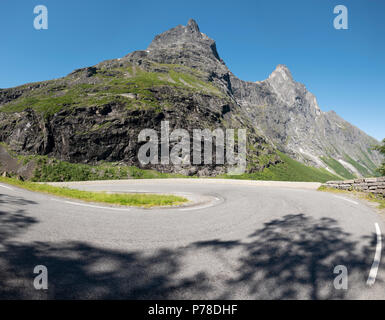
column 10, row 165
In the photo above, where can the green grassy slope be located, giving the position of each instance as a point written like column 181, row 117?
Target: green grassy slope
column 53, row 170
column 290, row 170
column 338, row 168
column 365, row 172
column 109, row 85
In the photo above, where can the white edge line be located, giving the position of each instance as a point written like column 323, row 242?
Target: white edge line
column 377, row 258
column 91, row 206
column 202, row 206
column 6, row 187
column 198, row 207
column 346, row 199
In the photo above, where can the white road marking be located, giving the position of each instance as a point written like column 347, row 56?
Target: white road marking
column 197, row 207
column 346, row 199
column 377, row 258
column 91, row 206
column 6, row 187
column 202, row 206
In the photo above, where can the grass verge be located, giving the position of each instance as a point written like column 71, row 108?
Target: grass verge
column 138, row 200
column 366, row 196
column 53, row 170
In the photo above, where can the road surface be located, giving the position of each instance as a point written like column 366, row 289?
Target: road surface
column 238, row 240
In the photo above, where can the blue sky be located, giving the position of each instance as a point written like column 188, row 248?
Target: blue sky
column 345, row 69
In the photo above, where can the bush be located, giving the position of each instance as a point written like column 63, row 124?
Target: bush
column 381, row 149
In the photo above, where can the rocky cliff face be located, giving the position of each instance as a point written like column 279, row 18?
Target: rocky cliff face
column 96, row 113
column 290, row 117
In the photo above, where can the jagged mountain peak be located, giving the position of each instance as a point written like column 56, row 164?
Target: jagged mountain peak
column 177, row 36
column 192, row 26
column 185, row 36
column 283, row 72
column 286, row 88
column 291, row 92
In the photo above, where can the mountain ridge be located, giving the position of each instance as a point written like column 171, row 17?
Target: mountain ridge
column 179, row 73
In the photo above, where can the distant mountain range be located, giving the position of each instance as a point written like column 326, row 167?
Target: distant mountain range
column 95, row 114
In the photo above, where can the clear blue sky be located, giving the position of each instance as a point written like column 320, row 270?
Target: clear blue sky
column 345, row 69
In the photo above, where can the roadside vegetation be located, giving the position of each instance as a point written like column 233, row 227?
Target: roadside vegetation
column 53, row 170
column 381, row 149
column 363, row 195
column 138, row 200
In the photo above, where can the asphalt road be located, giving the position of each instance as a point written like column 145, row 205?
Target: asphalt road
column 238, row 240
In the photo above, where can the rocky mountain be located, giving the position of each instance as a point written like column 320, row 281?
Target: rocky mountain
column 289, row 115
column 95, row 114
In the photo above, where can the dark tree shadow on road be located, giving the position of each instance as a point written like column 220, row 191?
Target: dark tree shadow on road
column 13, row 220
column 7, row 199
column 80, row 271
column 291, row 257
column 75, row 273
column 294, row 258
